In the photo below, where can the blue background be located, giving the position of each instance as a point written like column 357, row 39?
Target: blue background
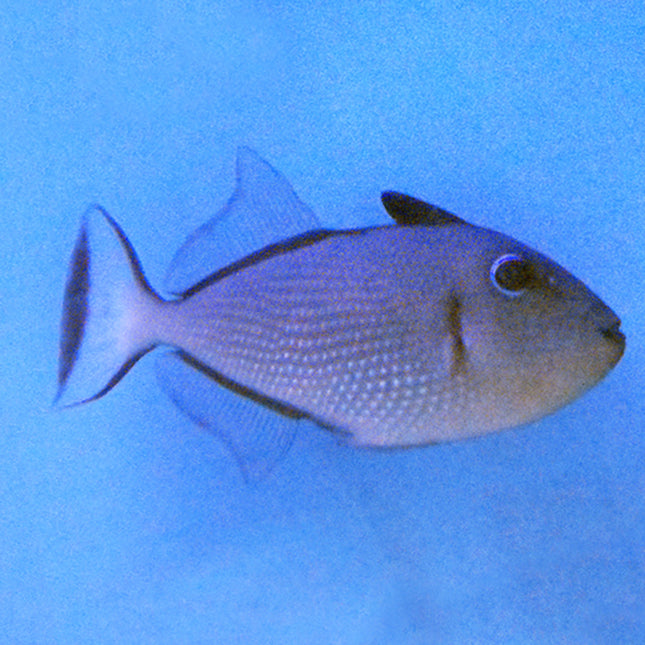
column 120, row 521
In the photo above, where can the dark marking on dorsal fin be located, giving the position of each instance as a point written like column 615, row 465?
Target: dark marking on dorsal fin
column 409, row 211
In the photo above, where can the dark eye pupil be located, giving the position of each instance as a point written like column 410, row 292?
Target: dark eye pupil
column 513, row 274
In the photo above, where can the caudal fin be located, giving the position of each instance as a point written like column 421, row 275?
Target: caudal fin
column 107, row 309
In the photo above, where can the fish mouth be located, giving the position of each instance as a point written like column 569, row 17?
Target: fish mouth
column 616, row 337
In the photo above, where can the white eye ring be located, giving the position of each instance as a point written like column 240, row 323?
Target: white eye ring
column 499, row 262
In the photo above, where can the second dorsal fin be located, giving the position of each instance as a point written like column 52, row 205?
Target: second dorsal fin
column 263, row 210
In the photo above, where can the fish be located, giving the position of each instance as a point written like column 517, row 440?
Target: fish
column 429, row 329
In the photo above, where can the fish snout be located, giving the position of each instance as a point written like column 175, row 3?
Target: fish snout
column 615, row 335
column 606, row 325
column 613, row 339
column 601, row 317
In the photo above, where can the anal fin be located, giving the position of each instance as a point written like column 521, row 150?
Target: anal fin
column 258, row 437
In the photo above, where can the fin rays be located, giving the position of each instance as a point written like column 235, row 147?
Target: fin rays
column 257, row 436
column 263, row 210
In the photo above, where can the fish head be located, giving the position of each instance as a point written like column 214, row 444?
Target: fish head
column 535, row 336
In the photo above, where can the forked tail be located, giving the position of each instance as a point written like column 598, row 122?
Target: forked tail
column 109, row 312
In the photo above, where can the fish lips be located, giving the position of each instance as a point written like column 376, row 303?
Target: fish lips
column 615, row 335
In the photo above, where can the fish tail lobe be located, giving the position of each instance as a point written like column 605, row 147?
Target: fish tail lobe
column 109, row 311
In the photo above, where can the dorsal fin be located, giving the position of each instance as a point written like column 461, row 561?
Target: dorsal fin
column 263, row 210
column 409, row 211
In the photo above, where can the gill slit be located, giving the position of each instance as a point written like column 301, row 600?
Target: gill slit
column 455, row 329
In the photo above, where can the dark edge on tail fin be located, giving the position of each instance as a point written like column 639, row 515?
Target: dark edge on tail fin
column 135, row 263
column 76, row 304
column 74, row 309
column 125, row 368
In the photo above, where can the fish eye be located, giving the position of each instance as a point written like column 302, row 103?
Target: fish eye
column 511, row 274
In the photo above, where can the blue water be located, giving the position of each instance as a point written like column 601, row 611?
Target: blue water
column 120, row 521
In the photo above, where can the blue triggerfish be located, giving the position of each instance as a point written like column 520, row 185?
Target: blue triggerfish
column 428, row 330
